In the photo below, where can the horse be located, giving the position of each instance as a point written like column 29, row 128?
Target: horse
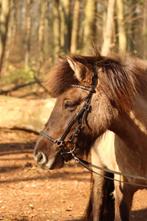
column 95, row 94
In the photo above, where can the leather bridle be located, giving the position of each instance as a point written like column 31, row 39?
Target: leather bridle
column 78, row 121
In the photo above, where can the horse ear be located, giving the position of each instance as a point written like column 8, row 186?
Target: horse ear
column 77, row 67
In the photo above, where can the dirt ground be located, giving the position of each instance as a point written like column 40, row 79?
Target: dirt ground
column 28, row 193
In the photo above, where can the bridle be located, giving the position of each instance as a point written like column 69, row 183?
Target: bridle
column 78, row 120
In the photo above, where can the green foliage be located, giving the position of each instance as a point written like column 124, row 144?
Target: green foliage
column 17, row 76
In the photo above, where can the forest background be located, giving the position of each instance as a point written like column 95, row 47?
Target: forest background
column 34, row 33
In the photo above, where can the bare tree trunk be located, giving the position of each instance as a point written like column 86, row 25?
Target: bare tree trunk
column 47, row 33
column 41, row 30
column 89, row 26
column 121, row 27
column 107, row 42
column 62, row 26
column 134, row 27
column 56, row 28
column 144, row 43
column 10, row 38
column 28, row 34
column 75, row 27
column 65, row 24
column 4, row 23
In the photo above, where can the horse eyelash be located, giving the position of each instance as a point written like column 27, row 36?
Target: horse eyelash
column 71, row 103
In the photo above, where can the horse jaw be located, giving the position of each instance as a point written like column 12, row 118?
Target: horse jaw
column 50, row 163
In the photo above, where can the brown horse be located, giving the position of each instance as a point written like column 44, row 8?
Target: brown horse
column 95, row 94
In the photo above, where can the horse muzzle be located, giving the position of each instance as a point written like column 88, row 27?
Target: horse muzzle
column 49, row 163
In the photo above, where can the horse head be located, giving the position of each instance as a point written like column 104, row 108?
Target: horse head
column 91, row 92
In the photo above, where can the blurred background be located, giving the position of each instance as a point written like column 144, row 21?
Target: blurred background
column 33, row 35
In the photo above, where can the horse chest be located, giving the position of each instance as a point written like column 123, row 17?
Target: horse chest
column 115, row 155
column 129, row 160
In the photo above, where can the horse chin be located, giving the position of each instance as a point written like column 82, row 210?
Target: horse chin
column 55, row 163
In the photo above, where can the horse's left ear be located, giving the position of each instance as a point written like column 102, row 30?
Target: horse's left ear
column 78, row 68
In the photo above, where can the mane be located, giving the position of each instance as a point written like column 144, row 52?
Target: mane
column 116, row 82
column 61, row 76
column 121, row 79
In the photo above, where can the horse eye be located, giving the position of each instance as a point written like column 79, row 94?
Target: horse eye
column 70, row 105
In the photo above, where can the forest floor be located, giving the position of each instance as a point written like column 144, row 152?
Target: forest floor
column 28, row 193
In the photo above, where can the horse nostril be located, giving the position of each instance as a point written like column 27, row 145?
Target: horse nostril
column 41, row 158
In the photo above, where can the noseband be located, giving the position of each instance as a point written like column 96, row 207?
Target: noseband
column 79, row 119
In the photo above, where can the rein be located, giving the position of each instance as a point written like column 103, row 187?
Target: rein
column 79, row 118
column 89, row 166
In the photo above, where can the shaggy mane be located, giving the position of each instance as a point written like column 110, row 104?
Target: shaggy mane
column 120, row 79
column 61, row 76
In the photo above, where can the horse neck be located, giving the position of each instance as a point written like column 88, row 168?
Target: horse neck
column 139, row 114
column 132, row 126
